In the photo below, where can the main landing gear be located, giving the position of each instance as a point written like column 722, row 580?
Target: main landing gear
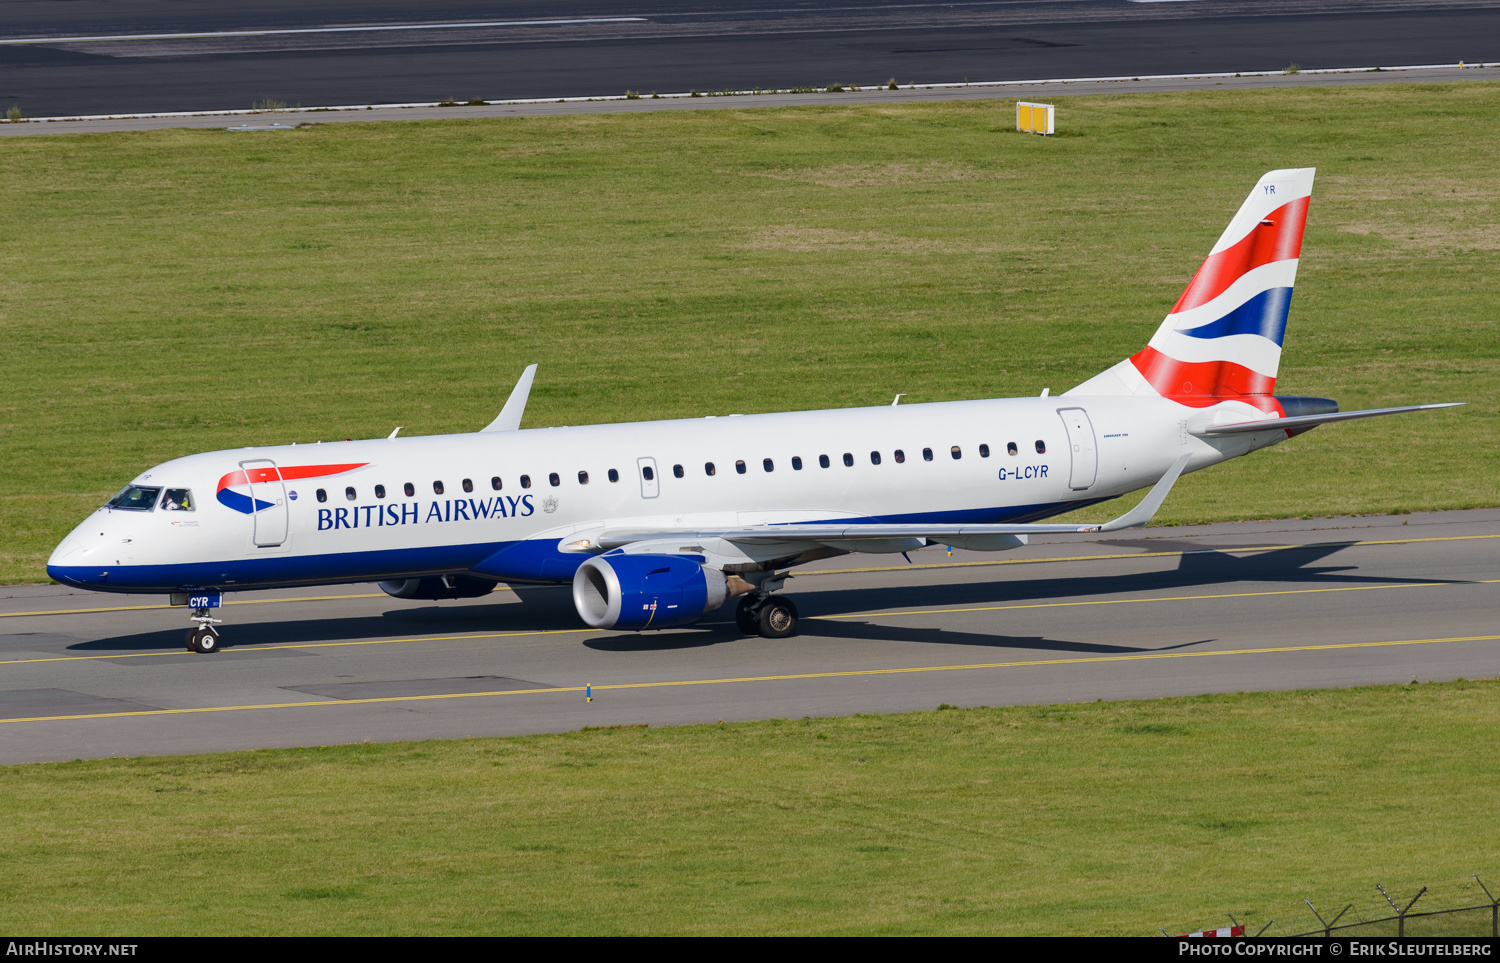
column 770, row 616
column 204, row 638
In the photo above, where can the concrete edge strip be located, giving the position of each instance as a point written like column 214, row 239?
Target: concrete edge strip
column 848, row 673
column 752, row 93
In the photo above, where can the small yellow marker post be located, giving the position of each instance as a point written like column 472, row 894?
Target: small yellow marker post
column 1034, row 118
column 588, row 692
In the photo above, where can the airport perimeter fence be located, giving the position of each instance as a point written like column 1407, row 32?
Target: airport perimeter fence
column 1459, row 908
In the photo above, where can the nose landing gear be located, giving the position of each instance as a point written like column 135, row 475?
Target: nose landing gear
column 203, row 638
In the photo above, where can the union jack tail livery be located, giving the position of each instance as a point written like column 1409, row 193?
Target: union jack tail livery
column 1222, row 340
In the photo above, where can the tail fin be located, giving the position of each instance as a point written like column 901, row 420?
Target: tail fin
column 1222, row 340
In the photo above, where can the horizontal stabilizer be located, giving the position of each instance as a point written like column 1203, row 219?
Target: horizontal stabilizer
column 856, row 531
column 509, row 418
column 1309, row 421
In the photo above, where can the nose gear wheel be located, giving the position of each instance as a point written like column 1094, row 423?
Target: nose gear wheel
column 203, row 640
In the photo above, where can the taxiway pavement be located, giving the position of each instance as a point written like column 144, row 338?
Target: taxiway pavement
column 139, row 56
column 1221, row 608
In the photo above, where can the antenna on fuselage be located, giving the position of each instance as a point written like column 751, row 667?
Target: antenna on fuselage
column 396, row 432
column 898, row 399
column 509, row 418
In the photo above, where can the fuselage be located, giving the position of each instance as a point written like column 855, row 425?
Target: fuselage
column 504, row 505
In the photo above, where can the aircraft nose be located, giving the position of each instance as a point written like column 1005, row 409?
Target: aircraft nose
column 80, row 554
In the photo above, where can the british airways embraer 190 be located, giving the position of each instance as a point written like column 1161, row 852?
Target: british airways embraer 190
column 657, row 523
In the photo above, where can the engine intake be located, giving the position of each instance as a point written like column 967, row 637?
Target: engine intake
column 432, row 589
column 646, row 591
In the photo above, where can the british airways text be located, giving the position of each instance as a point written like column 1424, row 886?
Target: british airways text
column 410, row 513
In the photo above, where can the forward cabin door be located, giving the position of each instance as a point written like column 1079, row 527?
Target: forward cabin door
column 268, row 499
column 1081, row 447
column 650, row 483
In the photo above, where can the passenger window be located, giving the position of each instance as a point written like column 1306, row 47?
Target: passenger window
column 553, row 480
column 848, row 460
column 525, row 481
column 1011, row 449
column 768, row 465
column 927, row 454
column 409, row 488
column 323, row 496
column 583, row 478
column 957, row 453
column 874, row 457
column 900, row 456
column 677, row 471
column 437, row 488
column 739, row 467
column 1041, row 447
column 648, row 473
column 495, row 483
column 708, row 468
column 614, row 476
column 177, row 500
column 134, row 498
column 379, row 491
column 823, row 461
column 984, row 451
column 468, row 484
column 349, row 494
column 796, row 463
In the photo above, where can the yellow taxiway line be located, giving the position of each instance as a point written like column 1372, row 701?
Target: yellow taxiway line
column 844, row 571
column 845, row 674
column 820, row 618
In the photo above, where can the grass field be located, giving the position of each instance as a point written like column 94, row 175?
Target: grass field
column 1095, row 818
column 178, row 291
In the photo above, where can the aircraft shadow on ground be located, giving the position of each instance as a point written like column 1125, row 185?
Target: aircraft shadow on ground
column 1200, row 570
column 547, row 609
column 538, row 611
column 869, row 632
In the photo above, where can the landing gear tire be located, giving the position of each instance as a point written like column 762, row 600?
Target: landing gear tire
column 745, row 616
column 203, row 641
column 777, row 618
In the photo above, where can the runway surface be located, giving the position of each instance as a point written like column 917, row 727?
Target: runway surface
column 1272, row 605
column 270, row 122
column 97, row 57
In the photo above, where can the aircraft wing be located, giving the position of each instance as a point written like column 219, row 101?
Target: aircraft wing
column 868, row 531
column 1308, row 421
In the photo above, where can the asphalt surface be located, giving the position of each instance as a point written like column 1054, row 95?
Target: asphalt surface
column 272, row 121
column 441, row 51
column 1273, row 605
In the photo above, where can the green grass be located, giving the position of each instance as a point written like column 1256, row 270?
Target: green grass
column 177, row 291
column 1095, row 818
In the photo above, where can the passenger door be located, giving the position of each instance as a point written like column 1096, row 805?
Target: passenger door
column 268, row 500
column 1081, row 447
column 650, row 482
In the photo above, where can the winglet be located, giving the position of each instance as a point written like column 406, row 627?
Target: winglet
column 509, row 418
column 1146, row 510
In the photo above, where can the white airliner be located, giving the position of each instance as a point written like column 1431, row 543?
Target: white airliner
column 657, row 523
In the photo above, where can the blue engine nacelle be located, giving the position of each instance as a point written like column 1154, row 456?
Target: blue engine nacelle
column 645, row 591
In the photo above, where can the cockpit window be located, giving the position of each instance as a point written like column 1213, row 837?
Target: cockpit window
column 135, row 498
column 177, row 500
